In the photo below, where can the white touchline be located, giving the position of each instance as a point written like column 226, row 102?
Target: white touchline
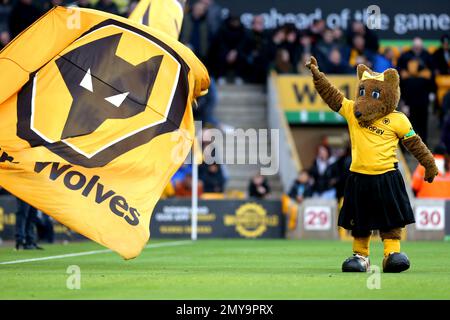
column 86, row 253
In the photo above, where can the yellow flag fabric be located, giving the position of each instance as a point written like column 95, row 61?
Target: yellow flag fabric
column 164, row 15
column 95, row 117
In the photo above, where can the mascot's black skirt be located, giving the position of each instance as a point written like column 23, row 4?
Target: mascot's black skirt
column 375, row 202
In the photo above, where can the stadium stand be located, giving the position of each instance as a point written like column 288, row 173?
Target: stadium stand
column 244, row 107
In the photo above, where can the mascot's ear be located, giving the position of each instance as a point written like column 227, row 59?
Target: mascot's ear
column 361, row 68
column 391, row 76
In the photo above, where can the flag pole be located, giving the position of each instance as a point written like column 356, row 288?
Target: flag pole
column 194, row 209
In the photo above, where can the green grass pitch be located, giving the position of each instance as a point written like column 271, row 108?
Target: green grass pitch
column 224, row 269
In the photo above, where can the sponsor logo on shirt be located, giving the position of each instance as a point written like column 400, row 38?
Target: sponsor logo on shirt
column 372, row 128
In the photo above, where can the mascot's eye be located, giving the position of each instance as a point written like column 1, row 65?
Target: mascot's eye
column 362, row 92
column 376, row 95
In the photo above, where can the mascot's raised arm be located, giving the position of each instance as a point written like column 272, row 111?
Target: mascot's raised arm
column 375, row 196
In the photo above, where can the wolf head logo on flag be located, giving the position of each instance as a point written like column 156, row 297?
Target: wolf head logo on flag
column 92, row 121
column 101, row 86
column 122, row 99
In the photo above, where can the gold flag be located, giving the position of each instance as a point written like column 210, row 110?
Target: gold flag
column 95, row 117
column 164, row 15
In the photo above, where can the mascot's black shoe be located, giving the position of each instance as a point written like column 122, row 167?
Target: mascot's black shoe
column 357, row 263
column 395, row 262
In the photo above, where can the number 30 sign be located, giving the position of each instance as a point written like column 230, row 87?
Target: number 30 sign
column 430, row 218
column 317, row 218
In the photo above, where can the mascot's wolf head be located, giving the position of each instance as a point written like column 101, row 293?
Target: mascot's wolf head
column 377, row 94
column 104, row 86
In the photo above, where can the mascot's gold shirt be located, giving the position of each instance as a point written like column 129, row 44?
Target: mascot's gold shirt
column 374, row 147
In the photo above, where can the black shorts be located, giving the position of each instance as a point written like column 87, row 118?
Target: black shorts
column 375, row 202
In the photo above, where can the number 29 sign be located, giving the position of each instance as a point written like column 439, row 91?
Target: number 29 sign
column 317, row 218
column 430, row 218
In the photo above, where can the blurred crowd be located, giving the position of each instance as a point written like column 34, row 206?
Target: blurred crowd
column 236, row 54
column 233, row 53
column 326, row 177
